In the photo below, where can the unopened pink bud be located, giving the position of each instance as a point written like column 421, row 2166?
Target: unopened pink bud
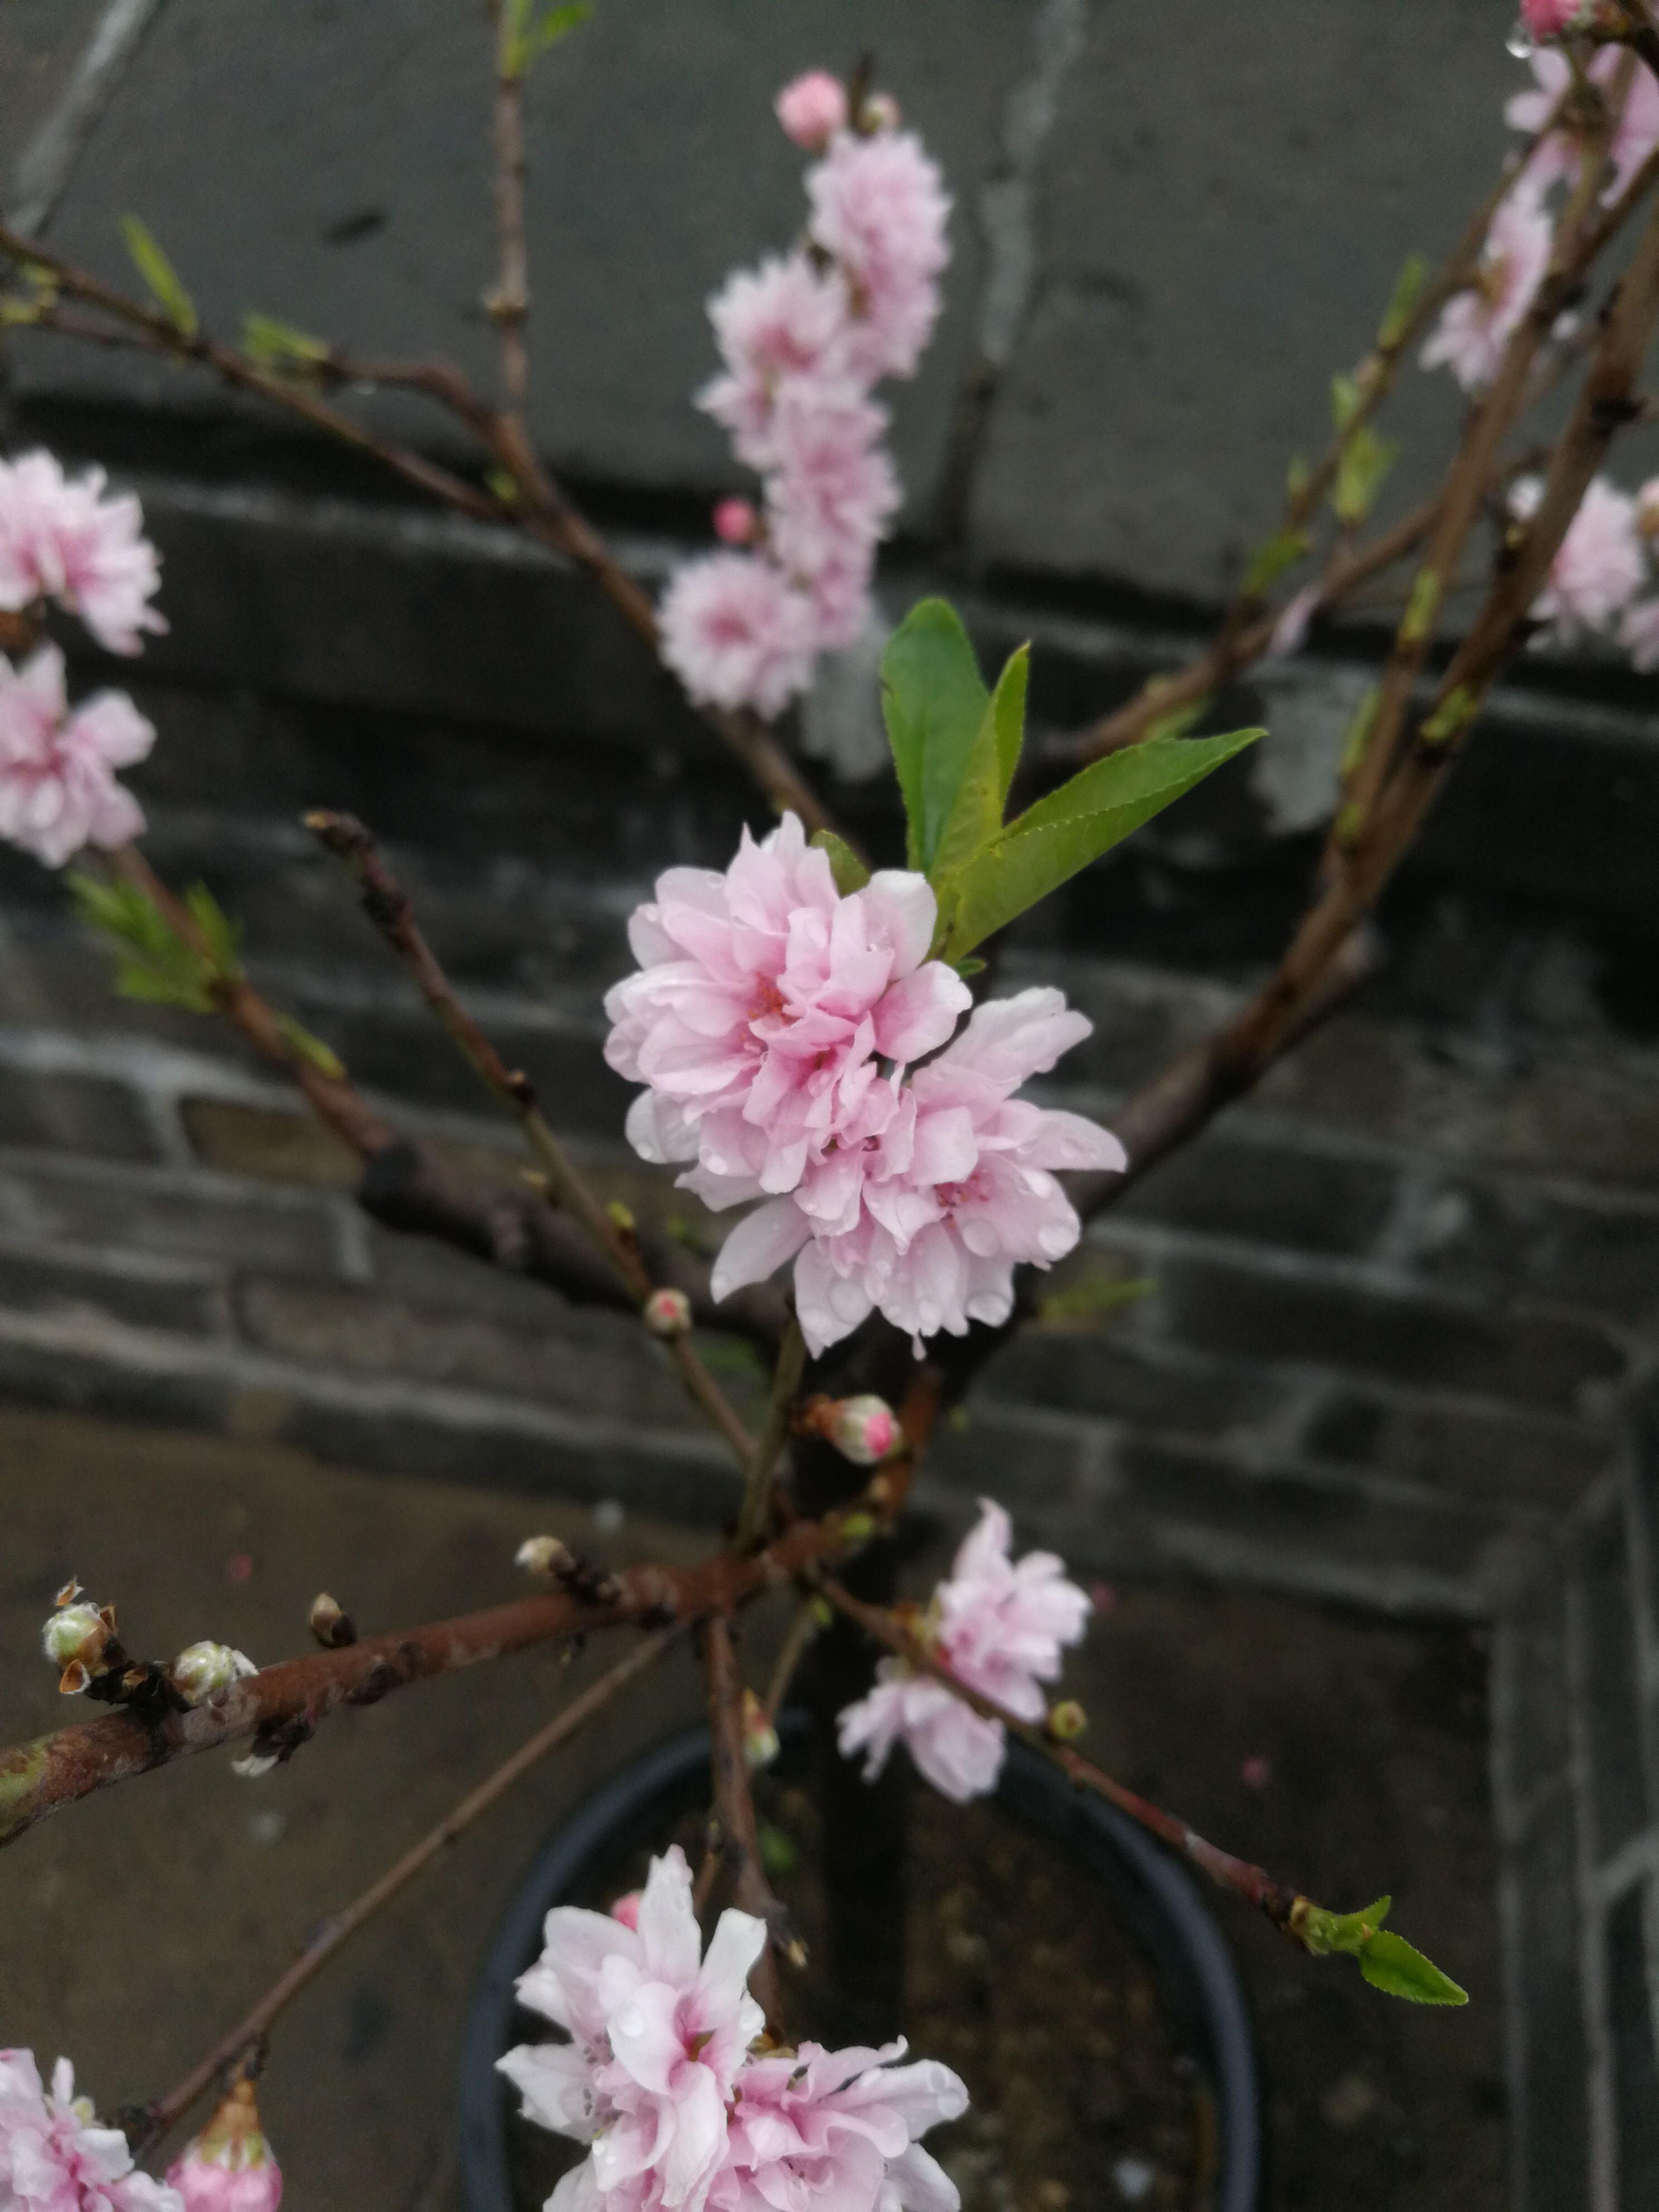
column 1553, row 19
column 811, row 109
column 229, row 2166
column 627, row 1909
column 735, row 522
column 864, row 1430
column 668, row 1313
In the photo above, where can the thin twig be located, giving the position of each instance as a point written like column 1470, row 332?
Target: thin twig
column 285, row 1703
column 411, row 1189
column 796, row 1644
column 1253, row 1884
column 1244, row 635
column 249, row 2034
column 758, row 1484
column 387, row 906
column 543, row 510
column 734, row 1812
column 509, row 303
column 1232, row 650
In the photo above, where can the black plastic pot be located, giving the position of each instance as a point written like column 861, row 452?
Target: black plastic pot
column 1149, row 1890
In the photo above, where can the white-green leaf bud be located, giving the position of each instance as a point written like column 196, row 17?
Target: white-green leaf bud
column 202, row 1668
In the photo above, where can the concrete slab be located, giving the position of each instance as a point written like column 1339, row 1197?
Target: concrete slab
column 40, row 43
column 1227, row 198
column 329, row 165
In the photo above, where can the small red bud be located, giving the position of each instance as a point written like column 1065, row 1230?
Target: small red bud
column 668, row 1313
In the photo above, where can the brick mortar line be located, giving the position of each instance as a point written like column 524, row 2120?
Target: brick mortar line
column 1101, row 642
column 161, row 1353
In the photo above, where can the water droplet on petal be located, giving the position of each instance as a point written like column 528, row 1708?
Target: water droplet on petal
column 1521, row 41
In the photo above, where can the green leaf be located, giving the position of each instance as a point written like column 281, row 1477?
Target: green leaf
column 845, row 866
column 934, row 704
column 1096, row 1295
column 1361, row 473
column 1456, row 711
column 155, row 964
column 1408, row 287
column 976, row 816
column 1359, row 732
column 223, row 936
column 1422, row 607
column 524, row 35
column 1269, row 562
column 279, row 348
column 1324, row 1932
column 1389, row 1963
column 1074, row 825
column 311, row 1049
column 160, row 275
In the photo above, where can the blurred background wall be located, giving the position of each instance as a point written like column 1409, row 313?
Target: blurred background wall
column 1402, row 1304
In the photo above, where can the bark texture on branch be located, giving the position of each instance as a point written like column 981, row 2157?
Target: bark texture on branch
column 279, row 1707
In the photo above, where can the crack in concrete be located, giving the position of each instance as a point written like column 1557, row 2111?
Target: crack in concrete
column 48, row 160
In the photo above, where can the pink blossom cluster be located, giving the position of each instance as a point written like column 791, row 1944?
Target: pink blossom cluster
column 1636, row 132
column 63, row 539
column 54, row 2157
column 803, row 340
column 57, row 787
column 1477, row 323
column 660, row 2077
column 776, row 1022
column 1599, row 567
column 998, row 1624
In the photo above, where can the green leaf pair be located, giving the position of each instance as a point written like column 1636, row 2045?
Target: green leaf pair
column 1388, row 1961
column 156, row 964
column 956, row 746
column 280, row 348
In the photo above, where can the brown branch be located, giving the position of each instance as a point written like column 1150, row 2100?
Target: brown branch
column 282, row 1703
column 803, row 1630
column 1604, row 405
column 734, row 1813
column 543, row 510
column 762, row 1464
column 1245, row 634
column 410, row 1188
column 1253, row 1884
column 509, row 303
column 1235, row 648
column 247, row 2036
column 387, row 906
